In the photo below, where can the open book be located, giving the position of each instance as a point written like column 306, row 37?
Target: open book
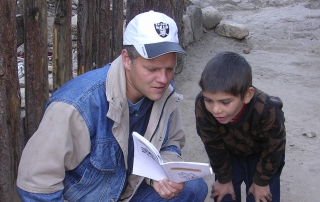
column 148, row 163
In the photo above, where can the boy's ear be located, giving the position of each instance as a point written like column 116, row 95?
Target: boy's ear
column 249, row 95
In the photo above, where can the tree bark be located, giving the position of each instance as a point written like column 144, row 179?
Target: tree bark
column 85, row 29
column 104, row 33
column 10, row 124
column 117, row 28
column 62, row 44
column 36, row 62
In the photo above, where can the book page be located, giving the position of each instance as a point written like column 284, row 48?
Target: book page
column 148, row 163
column 147, row 159
column 186, row 171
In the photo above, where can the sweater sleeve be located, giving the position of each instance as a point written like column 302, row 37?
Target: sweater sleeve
column 60, row 143
column 273, row 139
column 209, row 133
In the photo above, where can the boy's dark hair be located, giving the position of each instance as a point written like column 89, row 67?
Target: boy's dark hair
column 227, row 72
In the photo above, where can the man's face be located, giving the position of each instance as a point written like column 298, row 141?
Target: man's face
column 223, row 106
column 149, row 78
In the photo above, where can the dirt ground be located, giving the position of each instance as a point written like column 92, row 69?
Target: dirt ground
column 284, row 43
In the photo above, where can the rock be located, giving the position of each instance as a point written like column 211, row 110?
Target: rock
column 210, row 17
column 187, row 33
column 246, row 51
column 310, row 134
column 195, row 14
column 231, row 29
column 201, row 3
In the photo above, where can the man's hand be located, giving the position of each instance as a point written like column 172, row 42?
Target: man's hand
column 167, row 189
column 220, row 190
column 260, row 193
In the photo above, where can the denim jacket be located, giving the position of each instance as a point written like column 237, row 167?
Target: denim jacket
column 80, row 150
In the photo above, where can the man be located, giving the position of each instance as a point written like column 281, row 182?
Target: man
column 83, row 148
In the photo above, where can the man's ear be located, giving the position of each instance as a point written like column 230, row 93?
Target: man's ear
column 249, row 95
column 125, row 58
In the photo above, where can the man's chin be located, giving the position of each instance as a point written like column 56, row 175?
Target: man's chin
column 155, row 97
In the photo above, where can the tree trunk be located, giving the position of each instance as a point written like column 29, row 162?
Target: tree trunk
column 10, row 136
column 104, row 33
column 62, row 45
column 85, row 29
column 36, row 62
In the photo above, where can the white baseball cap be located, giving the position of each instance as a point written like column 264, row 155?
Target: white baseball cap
column 152, row 34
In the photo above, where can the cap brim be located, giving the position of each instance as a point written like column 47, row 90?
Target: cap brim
column 153, row 50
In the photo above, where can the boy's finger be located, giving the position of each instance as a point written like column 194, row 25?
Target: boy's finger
column 233, row 196
column 219, row 198
column 213, row 195
column 249, row 191
column 269, row 197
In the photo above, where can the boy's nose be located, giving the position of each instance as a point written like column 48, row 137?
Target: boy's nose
column 216, row 109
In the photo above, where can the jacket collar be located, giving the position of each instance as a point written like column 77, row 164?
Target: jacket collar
column 116, row 89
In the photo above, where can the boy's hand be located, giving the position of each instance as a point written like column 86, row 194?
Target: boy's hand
column 260, row 193
column 167, row 189
column 220, row 190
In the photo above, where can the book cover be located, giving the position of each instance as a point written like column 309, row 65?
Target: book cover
column 148, row 163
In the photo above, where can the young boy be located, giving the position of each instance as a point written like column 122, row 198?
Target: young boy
column 242, row 129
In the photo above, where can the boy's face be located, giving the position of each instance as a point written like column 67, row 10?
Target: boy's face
column 225, row 106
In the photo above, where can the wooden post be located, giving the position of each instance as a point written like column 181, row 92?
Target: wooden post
column 10, row 139
column 85, row 29
column 103, row 55
column 117, row 28
column 36, row 62
column 62, row 44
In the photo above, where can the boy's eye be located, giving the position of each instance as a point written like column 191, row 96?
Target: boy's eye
column 207, row 100
column 225, row 102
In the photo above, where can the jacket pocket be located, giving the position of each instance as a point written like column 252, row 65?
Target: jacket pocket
column 105, row 156
column 93, row 178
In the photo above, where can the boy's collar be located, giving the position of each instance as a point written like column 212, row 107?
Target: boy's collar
column 239, row 114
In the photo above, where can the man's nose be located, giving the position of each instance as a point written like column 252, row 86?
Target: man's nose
column 162, row 76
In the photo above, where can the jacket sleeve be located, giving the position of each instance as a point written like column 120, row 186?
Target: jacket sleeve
column 60, row 143
column 27, row 196
column 212, row 140
column 171, row 150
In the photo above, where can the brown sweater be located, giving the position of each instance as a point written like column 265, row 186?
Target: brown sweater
column 260, row 129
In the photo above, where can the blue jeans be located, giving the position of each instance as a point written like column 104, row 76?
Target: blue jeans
column 243, row 168
column 193, row 191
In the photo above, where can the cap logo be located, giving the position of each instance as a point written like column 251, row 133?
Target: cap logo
column 162, row 29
